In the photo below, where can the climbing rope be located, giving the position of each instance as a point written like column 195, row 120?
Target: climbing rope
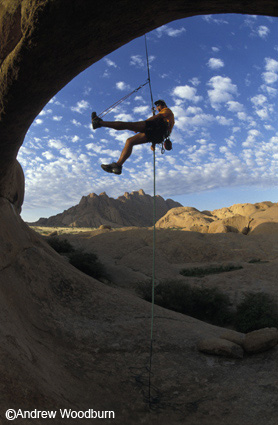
column 154, row 233
column 110, row 108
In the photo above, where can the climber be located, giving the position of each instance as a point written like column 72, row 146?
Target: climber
column 155, row 129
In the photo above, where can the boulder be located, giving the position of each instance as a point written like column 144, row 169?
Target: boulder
column 220, row 347
column 260, row 340
column 105, row 227
column 233, row 336
column 236, row 224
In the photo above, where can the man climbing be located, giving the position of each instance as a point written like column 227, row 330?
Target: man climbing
column 155, row 129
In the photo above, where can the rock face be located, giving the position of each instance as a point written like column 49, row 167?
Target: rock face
column 261, row 217
column 131, row 209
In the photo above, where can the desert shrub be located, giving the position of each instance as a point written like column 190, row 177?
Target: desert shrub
column 84, row 261
column 256, row 311
column 87, row 263
column 62, row 246
column 207, row 304
column 203, row 271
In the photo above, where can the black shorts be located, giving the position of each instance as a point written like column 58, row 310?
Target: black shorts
column 156, row 130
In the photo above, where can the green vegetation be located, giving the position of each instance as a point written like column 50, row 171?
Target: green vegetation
column 257, row 261
column 256, row 311
column 84, row 261
column 203, row 271
column 207, row 304
column 87, row 263
column 62, row 246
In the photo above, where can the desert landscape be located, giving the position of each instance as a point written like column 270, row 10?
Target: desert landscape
column 82, row 343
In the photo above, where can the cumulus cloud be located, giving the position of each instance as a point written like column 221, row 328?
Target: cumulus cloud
column 76, row 123
column 263, row 31
column 215, row 63
column 137, row 61
column 171, row 32
column 234, row 106
column 271, row 74
column 56, row 144
column 123, row 117
column 211, row 19
column 186, row 93
column 38, row 121
column 222, row 90
column 48, row 155
column 81, row 106
column 110, row 63
column 142, row 110
column 75, row 139
column 121, row 85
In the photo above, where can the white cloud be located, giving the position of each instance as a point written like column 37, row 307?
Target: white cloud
column 271, row 65
column 252, row 135
column 110, row 63
column 171, row 32
column 123, row 117
column 38, row 121
column 121, row 85
column 224, row 121
column 57, row 118
column 234, row 106
column 81, row 106
column 271, row 74
column 187, row 93
column 270, row 77
column 67, row 152
column 75, row 139
column 48, row 155
column 142, row 110
column 56, row 144
column 258, row 100
column 76, row 123
column 263, row 31
column 222, row 90
column 195, row 81
column 137, row 61
column 212, row 20
column 215, row 63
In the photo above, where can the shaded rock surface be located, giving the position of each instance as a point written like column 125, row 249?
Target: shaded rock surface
column 131, row 209
column 220, row 347
column 68, row 340
column 260, row 340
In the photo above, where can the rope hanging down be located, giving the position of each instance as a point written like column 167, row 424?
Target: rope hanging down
column 154, row 235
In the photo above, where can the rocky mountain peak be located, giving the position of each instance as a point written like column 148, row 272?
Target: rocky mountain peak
column 130, row 209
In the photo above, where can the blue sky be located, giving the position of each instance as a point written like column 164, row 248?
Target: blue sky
column 218, row 74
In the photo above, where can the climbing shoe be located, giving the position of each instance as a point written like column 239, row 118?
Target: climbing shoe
column 112, row 168
column 95, row 120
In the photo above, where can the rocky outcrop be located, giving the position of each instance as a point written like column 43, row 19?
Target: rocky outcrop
column 131, row 209
column 233, row 344
column 239, row 218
